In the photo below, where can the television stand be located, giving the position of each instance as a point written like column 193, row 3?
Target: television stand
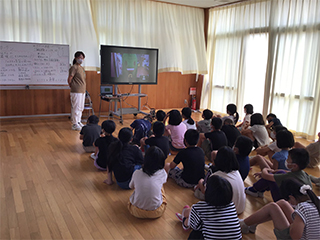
column 118, row 98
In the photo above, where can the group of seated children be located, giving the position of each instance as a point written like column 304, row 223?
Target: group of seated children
column 222, row 189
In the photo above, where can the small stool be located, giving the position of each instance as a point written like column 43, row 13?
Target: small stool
column 87, row 107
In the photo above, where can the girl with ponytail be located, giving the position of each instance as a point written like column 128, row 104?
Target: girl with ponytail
column 186, row 114
column 232, row 113
column 300, row 222
column 123, row 159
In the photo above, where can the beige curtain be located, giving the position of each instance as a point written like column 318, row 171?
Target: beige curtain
column 266, row 53
column 55, row 21
column 176, row 30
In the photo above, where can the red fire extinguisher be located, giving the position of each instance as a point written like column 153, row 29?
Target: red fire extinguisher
column 193, row 102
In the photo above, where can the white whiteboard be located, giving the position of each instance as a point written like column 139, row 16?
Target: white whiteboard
column 33, row 63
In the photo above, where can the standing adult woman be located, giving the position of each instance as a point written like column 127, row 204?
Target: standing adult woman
column 77, row 83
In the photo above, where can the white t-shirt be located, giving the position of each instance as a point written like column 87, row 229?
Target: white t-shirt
column 273, row 147
column 260, row 133
column 147, row 189
column 247, row 118
column 190, row 126
column 239, row 196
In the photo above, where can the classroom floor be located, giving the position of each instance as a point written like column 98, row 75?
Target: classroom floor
column 50, row 189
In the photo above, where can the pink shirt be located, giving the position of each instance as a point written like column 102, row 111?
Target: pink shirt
column 177, row 134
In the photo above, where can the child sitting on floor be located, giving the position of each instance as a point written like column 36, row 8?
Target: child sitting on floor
column 231, row 132
column 148, row 199
column 285, row 141
column 313, row 150
column 89, row 133
column 272, row 148
column 248, row 110
column 301, row 222
column 101, row 145
column 123, row 159
column 271, row 179
column 157, row 140
column 214, row 218
column 232, row 114
column 186, row 114
column 226, row 166
column 192, row 159
column 242, row 148
column 257, row 132
column 142, row 128
column 204, row 125
column 175, row 130
column 213, row 140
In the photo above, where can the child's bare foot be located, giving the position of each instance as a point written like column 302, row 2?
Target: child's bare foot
column 109, row 182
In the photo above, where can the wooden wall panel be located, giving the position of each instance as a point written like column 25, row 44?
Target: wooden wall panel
column 170, row 92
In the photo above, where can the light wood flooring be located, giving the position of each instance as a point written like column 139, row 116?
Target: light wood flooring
column 50, row 189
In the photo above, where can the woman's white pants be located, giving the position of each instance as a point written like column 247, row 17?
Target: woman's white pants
column 77, row 106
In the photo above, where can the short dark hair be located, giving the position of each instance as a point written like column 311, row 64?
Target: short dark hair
column 216, row 123
column 279, row 128
column 256, row 119
column 191, row 136
column 93, row 119
column 154, row 160
column 249, row 108
column 271, row 115
column 125, row 135
column 108, row 126
column 160, row 115
column 158, row 129
column 174, row 117
column 285, row 139
column 299, row 156
column 218, row 191
column 207, row 114
column 226, row 160
column 244, row 144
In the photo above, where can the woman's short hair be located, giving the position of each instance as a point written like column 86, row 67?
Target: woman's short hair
column 226, row 160
column 256, row 119
column 249, row 108
column 154, row 160
column 218, row 191
column 175, row 117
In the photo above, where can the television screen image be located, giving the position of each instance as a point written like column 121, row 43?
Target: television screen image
column 128, row 65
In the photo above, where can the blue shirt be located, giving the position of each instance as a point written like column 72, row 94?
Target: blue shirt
column 281, row 158
column 244, row 166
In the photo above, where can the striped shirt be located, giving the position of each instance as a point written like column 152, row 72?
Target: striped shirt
column 310, row 216
column 215, row 222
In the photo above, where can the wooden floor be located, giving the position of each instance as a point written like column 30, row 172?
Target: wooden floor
column 50, row 189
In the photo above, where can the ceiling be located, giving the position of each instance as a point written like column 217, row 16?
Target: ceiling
column 201, row 3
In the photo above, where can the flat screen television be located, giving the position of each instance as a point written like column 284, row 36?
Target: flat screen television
column 128, row 65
